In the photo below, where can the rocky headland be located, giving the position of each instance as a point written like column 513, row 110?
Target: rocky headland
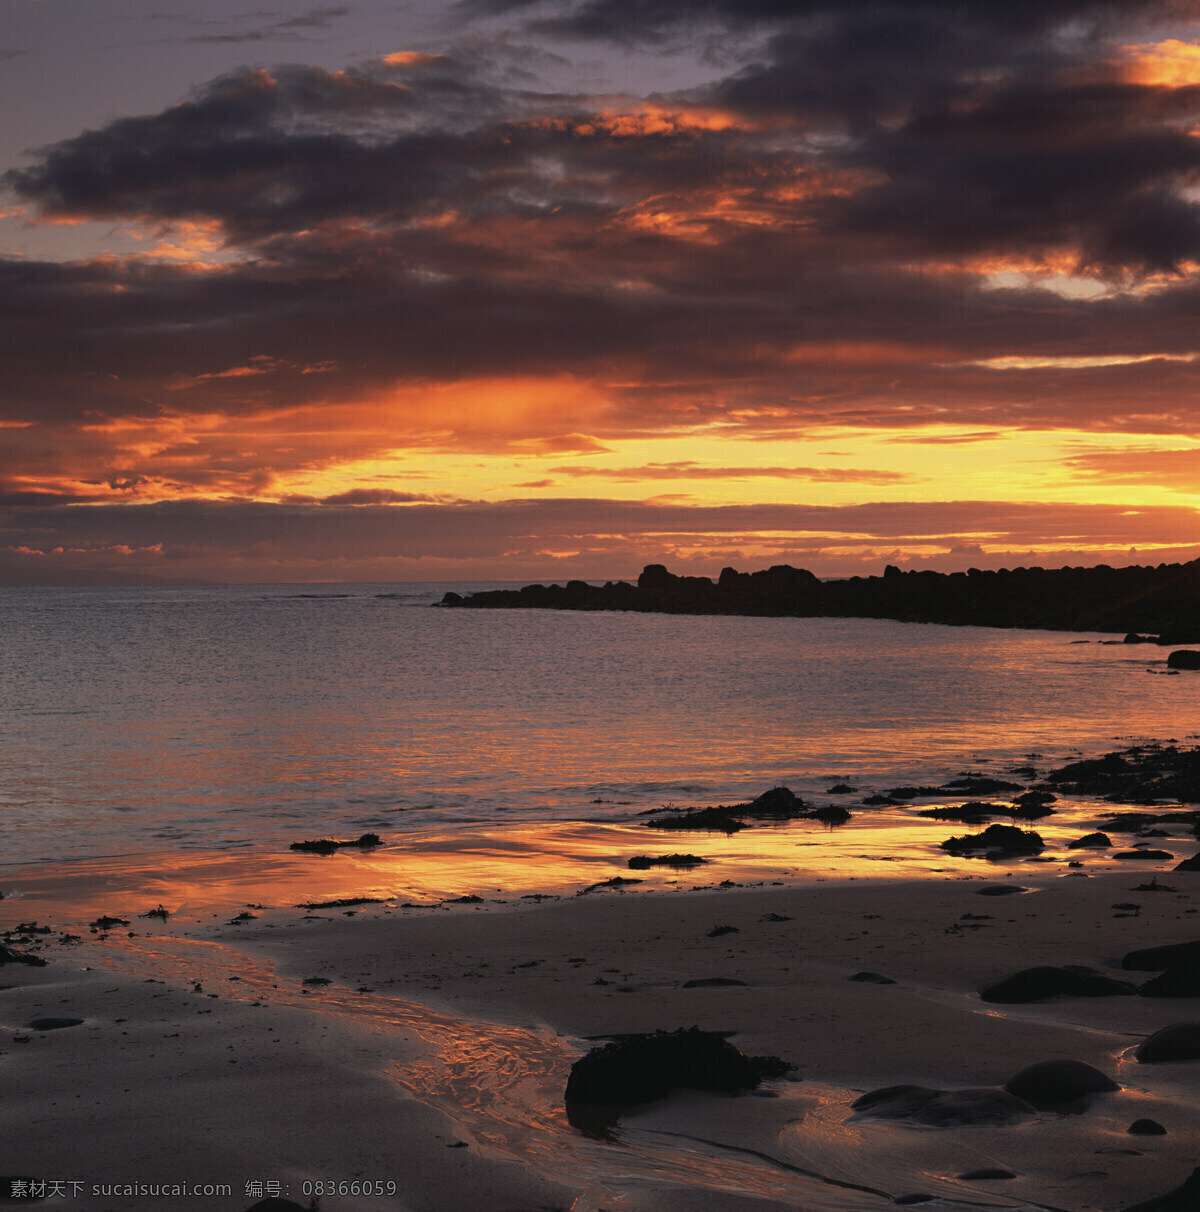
column 1152, row 604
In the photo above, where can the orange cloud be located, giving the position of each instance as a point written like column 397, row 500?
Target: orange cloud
column 1170, row 62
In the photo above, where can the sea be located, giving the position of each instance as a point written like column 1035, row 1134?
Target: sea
column 139, row 726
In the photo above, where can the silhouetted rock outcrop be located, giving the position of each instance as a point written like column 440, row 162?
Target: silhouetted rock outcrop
column 1163, row 601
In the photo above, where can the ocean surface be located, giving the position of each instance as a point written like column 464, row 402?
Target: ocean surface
column 138, row 721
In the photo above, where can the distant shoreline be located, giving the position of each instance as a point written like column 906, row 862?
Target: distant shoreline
column 1151, row 604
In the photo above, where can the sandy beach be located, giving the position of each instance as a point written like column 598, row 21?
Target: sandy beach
column 414, row 1059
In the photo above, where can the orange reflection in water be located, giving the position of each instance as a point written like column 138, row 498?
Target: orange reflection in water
column 504, row 864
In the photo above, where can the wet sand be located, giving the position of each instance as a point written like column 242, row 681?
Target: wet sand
column 429, row 1047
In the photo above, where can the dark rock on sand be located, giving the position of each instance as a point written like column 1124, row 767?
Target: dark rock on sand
column 712, row 982
column 1179, row 1041
column 9, row 956
column 1053, row 1083
column 1146, row 1127
column 717, row 931
column 871, row 978
column 942, row 1108
column 1090, row 841
column 1157, row 959
column 1189, row 864
column 1183, row 1199
column 642, row 1068
column 1034, row 984
column 1151, row 855
column 53, row 1024
column 1181, row 979
column 979, row 1175
column 1184, row 658
column 830, row 814
column 999, row 889
column 997, row 839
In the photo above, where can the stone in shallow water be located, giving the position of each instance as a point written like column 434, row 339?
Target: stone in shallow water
column 53, row 1024
column 1146, row 1127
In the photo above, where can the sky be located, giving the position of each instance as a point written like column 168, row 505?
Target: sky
column 540, row 289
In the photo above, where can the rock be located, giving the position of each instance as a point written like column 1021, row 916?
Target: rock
column 999, row 839
column 717, row 931
column 1180, row 980
column 779, row 801
column 326, row 845
column 1153, row 855
column 871, row 978
column 942, row 1108
column 999, row 889
column 1157, row 959
column 1052, row 1083
column 642, row 1068
column 53, row 1024
column 1179, row 1041
column 642, row 862
column 1189, row 864
column 9, row 956
column 713, row 982
column 1034, row 984
column 1183, row 658
column 830, row 814
column 1090, row 841
column 1183, row 1199
column 1146, row 1127
column 978, row 1175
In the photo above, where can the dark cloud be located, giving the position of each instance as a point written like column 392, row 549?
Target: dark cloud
column 249, row 541
column 290, row 27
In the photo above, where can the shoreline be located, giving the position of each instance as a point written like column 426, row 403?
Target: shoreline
column 357, row 1079
column 288, row 1024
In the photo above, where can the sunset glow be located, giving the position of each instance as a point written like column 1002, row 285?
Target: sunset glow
column 442, row 290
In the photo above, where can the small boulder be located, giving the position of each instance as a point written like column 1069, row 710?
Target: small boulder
column 52, row 1024
column 1090, row 841
column 642, row 1068
column 1189, row 864
column 871, row 978
column 1179, row 1041
column 1053, row 1083
column 1146, row 1127
column 1000, row 889
column 1158, row 959
column 942, row 1108
column 1179, row 980
column 998, row 839
column 1145, row 855
column 1183, row 658
column 1034, row 984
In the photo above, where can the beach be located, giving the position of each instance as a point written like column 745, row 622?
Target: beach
column 429, row 1047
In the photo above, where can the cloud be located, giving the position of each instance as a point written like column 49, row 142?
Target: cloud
column 688, row 470
column 891, row 217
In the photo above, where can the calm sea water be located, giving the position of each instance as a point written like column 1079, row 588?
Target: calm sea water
column 143, row 720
